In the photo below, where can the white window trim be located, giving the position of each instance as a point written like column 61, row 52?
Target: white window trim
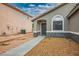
column 53, row 19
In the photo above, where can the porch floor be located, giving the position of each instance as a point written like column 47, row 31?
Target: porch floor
column 55, row 47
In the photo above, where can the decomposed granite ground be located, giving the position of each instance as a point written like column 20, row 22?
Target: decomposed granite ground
column 15, row 42
column 55, row 47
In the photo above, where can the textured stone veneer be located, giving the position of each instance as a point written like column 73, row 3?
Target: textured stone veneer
column 72, row 36
column 36, row 34
column 56, row 34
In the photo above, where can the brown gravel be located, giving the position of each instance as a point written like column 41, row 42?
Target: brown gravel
column 55, row 47
column 5, row 46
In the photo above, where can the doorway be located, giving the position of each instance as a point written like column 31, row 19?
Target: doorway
column 43, row 28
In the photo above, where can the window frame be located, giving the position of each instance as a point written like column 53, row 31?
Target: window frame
column 54, row 19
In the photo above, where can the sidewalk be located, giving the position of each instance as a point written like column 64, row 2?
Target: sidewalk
column 24, row 48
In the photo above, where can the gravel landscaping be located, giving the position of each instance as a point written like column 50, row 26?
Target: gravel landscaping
column 14, row 42
column 55, row 47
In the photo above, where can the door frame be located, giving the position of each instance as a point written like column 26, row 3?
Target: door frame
column 41, row 27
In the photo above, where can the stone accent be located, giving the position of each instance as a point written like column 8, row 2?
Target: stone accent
column 57, row 34
column 36, row 34
column 72, row 36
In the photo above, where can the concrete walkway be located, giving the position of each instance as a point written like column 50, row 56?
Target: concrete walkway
column 24, row 48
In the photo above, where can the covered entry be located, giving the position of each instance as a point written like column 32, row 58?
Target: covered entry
column 42, row 28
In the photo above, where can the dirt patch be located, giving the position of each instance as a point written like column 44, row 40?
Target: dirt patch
column 7, row 45
column 55, row 47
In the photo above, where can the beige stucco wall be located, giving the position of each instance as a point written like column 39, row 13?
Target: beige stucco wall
column 64, row 11
column 14, row 19
column 74, row 22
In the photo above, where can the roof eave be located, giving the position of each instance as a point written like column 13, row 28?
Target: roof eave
column 47, row 12
column 17, row 9
column 73, row 11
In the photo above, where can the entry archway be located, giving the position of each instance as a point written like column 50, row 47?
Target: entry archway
column 42, row 27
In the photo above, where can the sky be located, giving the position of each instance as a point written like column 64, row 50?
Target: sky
column 34, row 9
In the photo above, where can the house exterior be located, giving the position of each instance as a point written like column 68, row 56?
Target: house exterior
column 73, row 18
column 13, row 20
column 58, row 22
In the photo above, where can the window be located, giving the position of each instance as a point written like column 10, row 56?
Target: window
column 58, row 23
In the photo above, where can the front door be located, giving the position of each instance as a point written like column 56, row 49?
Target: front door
column 43, row 28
